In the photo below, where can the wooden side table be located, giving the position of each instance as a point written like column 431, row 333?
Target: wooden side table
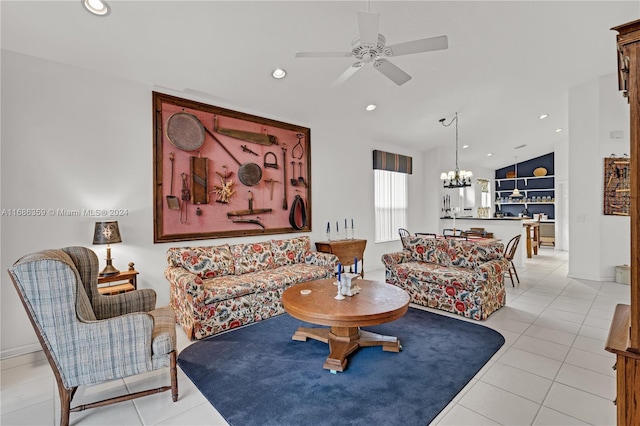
column 345, row 250
column 121, row 283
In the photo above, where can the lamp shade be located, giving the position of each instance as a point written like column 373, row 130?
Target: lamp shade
column 106, row 233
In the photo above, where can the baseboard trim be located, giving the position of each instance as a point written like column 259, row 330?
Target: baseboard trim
column 33, row 350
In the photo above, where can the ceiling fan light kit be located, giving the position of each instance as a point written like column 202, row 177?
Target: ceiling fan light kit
column 370, row 47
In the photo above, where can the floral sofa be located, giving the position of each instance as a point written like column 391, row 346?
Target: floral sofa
column 452, row 275
column 216, row 288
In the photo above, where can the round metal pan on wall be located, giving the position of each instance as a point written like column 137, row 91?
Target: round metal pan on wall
column 185, row 131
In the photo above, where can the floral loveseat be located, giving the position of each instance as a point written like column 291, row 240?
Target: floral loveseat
column 215, row 288
column 457, row 276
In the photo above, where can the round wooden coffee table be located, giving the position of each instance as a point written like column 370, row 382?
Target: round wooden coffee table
column 376, row 303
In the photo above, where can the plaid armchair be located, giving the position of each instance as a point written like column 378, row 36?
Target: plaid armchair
column 86, row 262
column 129, row 338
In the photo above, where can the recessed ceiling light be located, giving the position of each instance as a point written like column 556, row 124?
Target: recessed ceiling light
column 279, row 73
column 371, row 107
column 465, row 146
column 97, row 7
column 543, row 116
column 490, row 154
column 558, row 130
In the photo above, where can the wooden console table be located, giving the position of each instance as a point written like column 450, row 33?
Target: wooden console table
column 345, row 250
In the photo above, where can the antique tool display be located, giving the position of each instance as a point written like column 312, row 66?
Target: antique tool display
column 244, row 135
column 298, row 213
column 300, row 178
column 185, row 131
column 245, row 149
column 271, row 183
column 225, row 190
column 186, row 196
column 199, row 180
column 249, row 174
column 172, row 201
column 298, row 151
column 285, row 205
column 195, row 143
column 294, row 181
column 617, row 189
column 268, row 165
column 250, row 210
column 255, row 221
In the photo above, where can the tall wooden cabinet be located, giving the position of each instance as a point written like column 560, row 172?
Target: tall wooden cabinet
column 624, row 333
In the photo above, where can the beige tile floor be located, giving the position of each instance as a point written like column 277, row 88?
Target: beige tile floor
column 552, row 370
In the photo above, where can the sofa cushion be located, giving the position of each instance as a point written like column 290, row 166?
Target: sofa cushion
column 205, row 262
column 226, row 287
column 252, row 257
column 421, row 273
column 467, row 254
column 290, row 251
column 430, row 250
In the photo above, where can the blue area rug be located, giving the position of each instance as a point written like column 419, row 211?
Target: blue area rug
column 257, row 375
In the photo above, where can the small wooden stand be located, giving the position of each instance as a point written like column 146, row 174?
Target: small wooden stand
column 345, row 250
column 120, row 283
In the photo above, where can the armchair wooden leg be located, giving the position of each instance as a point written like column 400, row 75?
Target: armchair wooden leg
column 174, row 377
column 65, row 402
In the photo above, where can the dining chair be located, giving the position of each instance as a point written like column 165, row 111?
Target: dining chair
column 454, row 234
column 509, row 254
column 449, row 232
column 475, row 233
column 426, row 234
column 404, row 234
column 82, row 349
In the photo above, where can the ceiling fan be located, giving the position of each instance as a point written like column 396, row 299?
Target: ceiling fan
column 370, row 47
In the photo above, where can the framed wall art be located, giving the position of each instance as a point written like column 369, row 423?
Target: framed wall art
column 220, row 173
column 617, row 188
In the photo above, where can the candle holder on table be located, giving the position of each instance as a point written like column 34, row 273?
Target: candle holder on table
column 346, row 287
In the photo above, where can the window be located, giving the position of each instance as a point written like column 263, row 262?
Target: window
column 390, row 204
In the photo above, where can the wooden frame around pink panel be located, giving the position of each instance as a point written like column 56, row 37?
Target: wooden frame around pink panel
column 234, row 143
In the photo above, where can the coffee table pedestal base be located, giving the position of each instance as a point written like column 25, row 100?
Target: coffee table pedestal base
column 343, row 341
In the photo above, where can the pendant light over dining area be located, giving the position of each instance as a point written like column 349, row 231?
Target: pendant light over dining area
column 455, row 178
column 516, row 192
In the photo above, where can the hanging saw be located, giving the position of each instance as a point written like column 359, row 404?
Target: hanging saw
column 244, row 135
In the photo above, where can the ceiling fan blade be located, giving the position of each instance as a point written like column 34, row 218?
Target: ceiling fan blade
column 368, row 24
column 348, row 73
column 324, row 54
column 392, row 72
column 417, row 46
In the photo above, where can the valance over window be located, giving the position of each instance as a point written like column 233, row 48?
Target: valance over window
column 392, row 162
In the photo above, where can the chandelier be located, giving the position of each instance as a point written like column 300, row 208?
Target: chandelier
column 455, row 178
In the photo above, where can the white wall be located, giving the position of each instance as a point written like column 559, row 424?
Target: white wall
column 598, row 242
column 78, row 140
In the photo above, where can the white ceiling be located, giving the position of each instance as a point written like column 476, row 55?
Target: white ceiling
column 507, row 61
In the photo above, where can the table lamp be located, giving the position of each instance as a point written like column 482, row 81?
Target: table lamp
column 107, row 233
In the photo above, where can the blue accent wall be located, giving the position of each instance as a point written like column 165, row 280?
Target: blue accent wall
column 538, row 187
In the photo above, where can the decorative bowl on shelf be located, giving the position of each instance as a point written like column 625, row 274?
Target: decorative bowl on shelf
column 511, row 175
column 540, row 171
